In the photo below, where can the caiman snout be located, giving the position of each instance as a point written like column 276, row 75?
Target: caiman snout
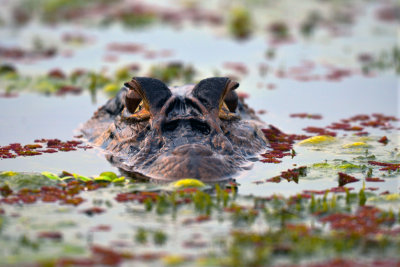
column 192, row 150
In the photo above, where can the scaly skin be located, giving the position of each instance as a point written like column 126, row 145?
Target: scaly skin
column 187, row 133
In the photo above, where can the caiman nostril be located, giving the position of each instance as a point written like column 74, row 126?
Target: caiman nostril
column 170, row 125
column 198, row 125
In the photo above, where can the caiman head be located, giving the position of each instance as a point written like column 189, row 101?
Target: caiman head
column 198, row 131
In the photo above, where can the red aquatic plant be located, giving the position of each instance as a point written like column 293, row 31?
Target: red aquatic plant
column 346, row 179
column 50, row 235
column 386, row 166
column 198, row 219
column 340, row 189
column 69, row 89
column 92, row 211
column 315, row 192
column 280, row 144
column 56, row 74
column 237, row 67
column 53, row 146
column 63, row 194
column 290, row 175
column 368, row 220
column 140, row 197
column 338, row 74
column 373, row 179
column 275, row 179
column 306, row 116
column 383, row 140
column 319, row 131
column 101, row 228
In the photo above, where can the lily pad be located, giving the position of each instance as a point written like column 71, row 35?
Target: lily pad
column 185, row 183
column 318, row 140
column 356, row 145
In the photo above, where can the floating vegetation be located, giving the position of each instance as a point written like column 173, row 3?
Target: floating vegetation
column 132, row 14
column 134, row 17
column 335, row 222
column 280, row 144
column 240, row 22
column 386, row 60
column 356, row 145
column 172, row 72
column 340, row 202
column 183, row 183
column 17, row 53
column 309, row 25
column 279, row 32
column 58, row 83
column 375, row 120
column 318, row 140
column 306, row 116
column 39, row 147
column 345, row 179
column 290, row 175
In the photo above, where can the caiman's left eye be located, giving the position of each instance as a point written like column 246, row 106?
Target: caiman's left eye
column 231, row 100
column 217, row 95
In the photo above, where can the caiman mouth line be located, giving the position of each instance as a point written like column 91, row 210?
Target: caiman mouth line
column 192, row 150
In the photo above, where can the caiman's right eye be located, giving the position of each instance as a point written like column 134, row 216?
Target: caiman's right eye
column 145, row 98
column 132, row 101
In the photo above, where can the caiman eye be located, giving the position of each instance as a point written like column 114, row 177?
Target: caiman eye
column 217, row 95
column 145, row 98
column 231, row 99
column 132, row 101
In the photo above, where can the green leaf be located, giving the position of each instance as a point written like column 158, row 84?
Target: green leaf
column 110, row 175
column 119, row 180
column 81, row 177
column 51, row 175
column 103, row 179
column 67, row 178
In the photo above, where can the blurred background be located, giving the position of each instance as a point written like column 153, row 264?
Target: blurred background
column 61, row 59
column 308, row 67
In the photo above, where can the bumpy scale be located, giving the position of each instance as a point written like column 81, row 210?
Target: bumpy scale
column 201, row 131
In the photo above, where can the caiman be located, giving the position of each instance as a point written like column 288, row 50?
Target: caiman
column 202, row 131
